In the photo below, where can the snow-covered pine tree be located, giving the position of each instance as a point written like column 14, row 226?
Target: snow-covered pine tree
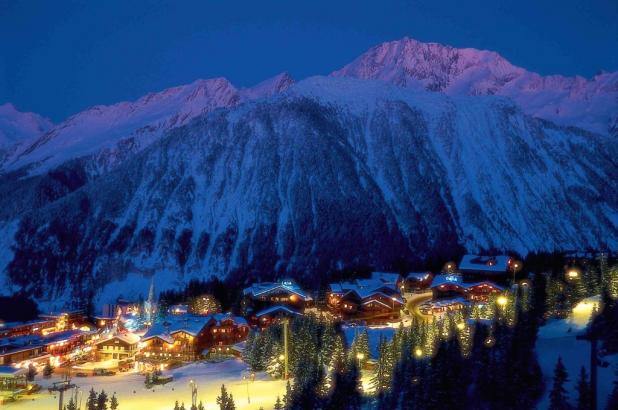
column 113, row 403
column 583, row 390
column 558, row 396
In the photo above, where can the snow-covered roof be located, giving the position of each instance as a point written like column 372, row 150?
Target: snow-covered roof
column 457, row 280
column 364, row 287
column 10, row 371
column 493, row 264
column 418, row 275
column 11, row 325
column 386, row 277
column 191, row 324
column 129, row 338
column 446, row 279
column 486, row 283
column 258, row 289
column 276, row 309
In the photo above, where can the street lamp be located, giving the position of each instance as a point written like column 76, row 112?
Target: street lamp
column 360, row 357
column 461, row 326
column 418, row 352
column 502, row 301
column 572, row 274
column 193, row 393
column 245, row 377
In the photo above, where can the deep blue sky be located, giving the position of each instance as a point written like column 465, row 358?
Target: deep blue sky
column 59, row 57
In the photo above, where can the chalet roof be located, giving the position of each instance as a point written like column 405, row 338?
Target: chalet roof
column 457, row 280
column 11, row 325
column 258, row 289
column 418, row 275
column 191, row 324
column 275, row 309
column 486, row 282
column 386, row 277
column 492, row 264
column 10, row 371
column 364, row 287
column 128, row 338
column 54, row 315
column 446, row 279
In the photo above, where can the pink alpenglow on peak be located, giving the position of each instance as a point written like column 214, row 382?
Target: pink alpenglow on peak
column 17, row 127
column 110, row 134
column 591, row 104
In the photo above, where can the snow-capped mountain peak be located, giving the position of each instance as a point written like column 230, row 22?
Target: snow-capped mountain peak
column 576, row 101
column 17, row 126
column 110, row 133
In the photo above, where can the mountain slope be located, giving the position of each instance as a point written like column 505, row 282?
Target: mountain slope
column 329, row 174
column 575, row 101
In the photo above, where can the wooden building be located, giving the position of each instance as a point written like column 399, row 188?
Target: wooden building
column 121, row 346
column 260, row 296
column 417, row 281
column 184, row 338
column 370, row 300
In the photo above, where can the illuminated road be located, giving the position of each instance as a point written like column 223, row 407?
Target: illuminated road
column 413, row 301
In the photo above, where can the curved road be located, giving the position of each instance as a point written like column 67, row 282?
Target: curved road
column 414, row 300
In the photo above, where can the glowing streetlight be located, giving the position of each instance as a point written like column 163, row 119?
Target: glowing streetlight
column 461, row 326
column 502, row 301
column 360, row 357
column 572, row 274
column 281, row 357
column 418, row 352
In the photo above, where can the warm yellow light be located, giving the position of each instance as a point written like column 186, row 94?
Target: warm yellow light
column 573, row 274
column 418, row 352
column 360, row 356
column 502, row 300
column 281, row 357
column 461, row 326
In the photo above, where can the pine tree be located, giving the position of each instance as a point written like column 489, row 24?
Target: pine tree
column 278, row 404
column 91, row 402
column 182, row 406
column 48, row 370
column 71, row 405
column 346, row 388
column 381, row 379
column 225, row 400
column 583, row 391
column 200, row 406
column 558, row 397
column 102, row 401
column 176, row 406
column 31, row 372
column 287, row 398
column 113, row 403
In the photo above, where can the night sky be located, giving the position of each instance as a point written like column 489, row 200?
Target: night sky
column 59, row 57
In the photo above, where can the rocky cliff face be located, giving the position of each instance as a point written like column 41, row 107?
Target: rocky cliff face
column 330, row 173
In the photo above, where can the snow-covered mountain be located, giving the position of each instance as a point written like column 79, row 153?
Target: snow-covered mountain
column 108, row 135
column 590, row 104
column 332, row 172
column 18, row 127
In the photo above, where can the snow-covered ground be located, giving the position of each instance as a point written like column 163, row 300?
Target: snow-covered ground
column 133, row 395
column 373, row 333
column 558, row 338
